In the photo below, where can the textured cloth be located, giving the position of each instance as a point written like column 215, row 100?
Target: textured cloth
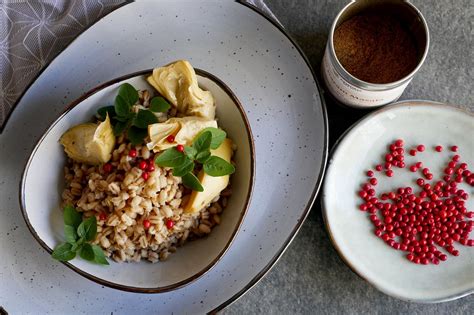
column 33, row 32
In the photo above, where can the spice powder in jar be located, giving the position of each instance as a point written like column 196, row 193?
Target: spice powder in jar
column 375, row 48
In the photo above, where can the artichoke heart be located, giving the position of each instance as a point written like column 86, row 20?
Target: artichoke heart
column 183, row 129
column 89, row 143
column 212, row 185
column 177, row 82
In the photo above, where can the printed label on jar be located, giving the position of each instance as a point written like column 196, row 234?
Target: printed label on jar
column 351, row 95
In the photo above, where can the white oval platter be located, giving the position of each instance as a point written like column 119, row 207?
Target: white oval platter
column 273, row 81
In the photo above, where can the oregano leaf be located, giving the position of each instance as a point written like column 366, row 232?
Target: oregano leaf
column 88, row 229
column 70, row 234
column 203, row 141
column 136, row 135
column 216, row 166
column 122, row 108
column 144, row 118
column 184, row 168
column 192, row 182
column 128, row 93
column 103, row 111
column 171, row 158
column 218, row 136
column 71, row 216
column 87, row 252
column 190, row 152
column 159, row 105
column 99, row 256
column 63, row 252
column 203, row 156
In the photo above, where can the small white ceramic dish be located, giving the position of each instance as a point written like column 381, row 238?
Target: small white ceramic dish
column 42, row 185
column 351, row 232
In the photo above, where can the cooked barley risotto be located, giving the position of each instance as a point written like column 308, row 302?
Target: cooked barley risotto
column 125, row 204
column 150, row 172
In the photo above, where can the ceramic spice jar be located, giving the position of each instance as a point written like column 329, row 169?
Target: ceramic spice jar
column 373, row 51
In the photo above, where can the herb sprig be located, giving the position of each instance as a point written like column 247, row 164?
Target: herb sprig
column 183, row 163
column 79, row 233
column 124, row 119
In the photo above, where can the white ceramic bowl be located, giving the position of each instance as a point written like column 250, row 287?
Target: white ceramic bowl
column 351, row 231
column 42, row 184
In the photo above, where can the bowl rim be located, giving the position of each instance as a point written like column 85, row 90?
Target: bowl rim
column 221, row 254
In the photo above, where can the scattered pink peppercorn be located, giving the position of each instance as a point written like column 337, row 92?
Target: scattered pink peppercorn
column 389, row 173
column 146, row 224
column 412, row 152
column 439, row 148
column 180, row 148
column 420, row 148
column 150, row 167
column 370, row 173
column 107, row 167
column 454, row 148
column 169, row 224
column 142, row 165
column 132, row 153
column 170, row 138
column 399, row 143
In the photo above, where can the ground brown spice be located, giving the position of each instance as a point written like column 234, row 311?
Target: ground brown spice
column 375, row 48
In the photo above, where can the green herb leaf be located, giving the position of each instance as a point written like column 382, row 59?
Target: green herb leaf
column 159, row 105
column 203, row 141
column 88, row 229
column 218, row 136
column 217, row 166
column 184, row 168
column 144, row 118
column 87, row 252
column 78, row 245
column 128, row 93
column 190, row 152
column 71, row 216
column 103, row 111
column 203, row 156
column 70, row 234
column 171, row 158
column 122, row 108
column 119, row 127
column 63, row 252
column 99, row 256
column 136, row 135
column 125, row 118
column 192, row 182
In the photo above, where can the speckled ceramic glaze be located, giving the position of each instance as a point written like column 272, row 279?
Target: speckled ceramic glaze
column 41, row 188
column 351, row 231
column 278, row 91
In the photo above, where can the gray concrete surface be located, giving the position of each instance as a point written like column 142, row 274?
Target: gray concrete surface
column 310, row 278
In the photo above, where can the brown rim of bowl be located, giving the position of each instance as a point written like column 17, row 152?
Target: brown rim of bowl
column 191, row 279
column 324, row 208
